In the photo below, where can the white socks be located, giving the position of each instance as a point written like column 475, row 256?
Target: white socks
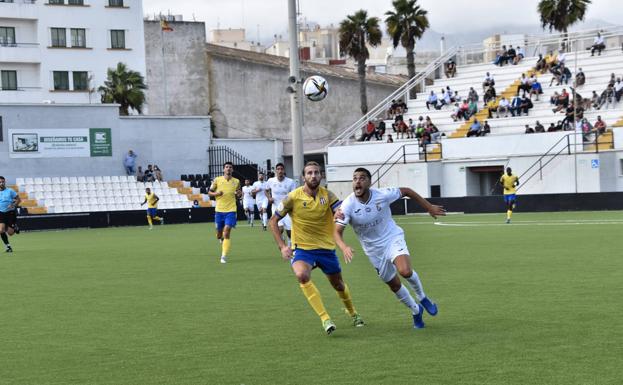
column 404, row 296
column 264, row 219
column 415, row 283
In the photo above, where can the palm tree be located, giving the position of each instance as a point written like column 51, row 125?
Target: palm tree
column 559, row 15
column 355, row 31
column 406, row 24
column 125, row 87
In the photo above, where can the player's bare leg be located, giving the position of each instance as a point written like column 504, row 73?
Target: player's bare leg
column 5, row 239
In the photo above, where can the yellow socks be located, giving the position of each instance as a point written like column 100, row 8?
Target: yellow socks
column 226, row 245
column 509, row 213
column 313, row 297
column 149, row 220
column 347, row 300
column 157, row 218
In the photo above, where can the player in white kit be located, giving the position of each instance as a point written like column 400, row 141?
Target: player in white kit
column 261, row 200
column 277, row 189
column 368, row 211
column 248, row 201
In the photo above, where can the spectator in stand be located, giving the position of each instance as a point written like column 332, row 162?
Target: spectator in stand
column 526, row 104
column 515, row 107
column 401, row 129
column 488, row 81
column 565, row 74
column 140, row 175
column 600, row 125
column 538, row 127
column 524, row 84
column 529, row 130
column 612, row 80
column 553, row 100
column 472, row 96
column 520, row 55
column 618, row 89
column 158, row 173
column 473, row 108
column 511, row 54
column 432, row 101
column 486, row 129
column 502, row 57
column 432, row 132
column 450, row 69
column 412, row 127
column 465, row 110
column 563, row 101
column 389, row 138
column 599, row 44
column 580, row 78
column 458, row 113
column 550, row 60
column 391, row 113
column 540, row 64
column 419, row 127
column 536, row 89
column 380, row 130
column 489, row 95
column 503, row 108
column 149, row 174
column 567, row 122
column 551, row 128
column 587, row 130
column 492, row 107
column 129, row 162
column 452, row 95
column 402, row 107
column 606, row 97
column 368, row 131
column 474, row 129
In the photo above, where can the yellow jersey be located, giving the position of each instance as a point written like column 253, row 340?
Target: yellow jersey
column 225, row 203
column 152, row 202
column 509, row 183
column 312, row 218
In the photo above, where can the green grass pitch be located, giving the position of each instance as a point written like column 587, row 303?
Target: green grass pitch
column 535, row 302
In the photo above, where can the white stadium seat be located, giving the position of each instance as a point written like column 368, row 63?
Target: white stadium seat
column 20, row 181
column 64, row 180
column 56, row 180
column 82, row 179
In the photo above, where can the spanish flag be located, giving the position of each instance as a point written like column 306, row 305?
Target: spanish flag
column 165, row 26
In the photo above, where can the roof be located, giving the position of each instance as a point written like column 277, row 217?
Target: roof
column 309, row 67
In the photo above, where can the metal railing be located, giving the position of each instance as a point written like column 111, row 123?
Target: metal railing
column 218, row 155
column 351, row 131
column 400, row 156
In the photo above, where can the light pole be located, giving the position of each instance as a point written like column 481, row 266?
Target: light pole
column 295, row 93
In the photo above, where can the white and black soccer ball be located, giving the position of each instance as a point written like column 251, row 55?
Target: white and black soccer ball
column 315, row 88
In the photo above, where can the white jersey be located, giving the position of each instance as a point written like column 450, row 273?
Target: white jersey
column 372, row 221
column 260, row 188
column 247, row 194
column 279, row 189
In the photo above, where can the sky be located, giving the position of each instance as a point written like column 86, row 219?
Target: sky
column 449, row 16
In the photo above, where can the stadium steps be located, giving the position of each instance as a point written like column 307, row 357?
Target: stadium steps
column 31, row 204
column 605, row 141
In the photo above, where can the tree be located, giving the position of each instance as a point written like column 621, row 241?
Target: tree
column 125, row 87
column 559, row 15
column 406, row 24
column 355, row 31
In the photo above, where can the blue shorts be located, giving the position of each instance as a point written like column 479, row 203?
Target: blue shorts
column 152, row 212
column 508, row 198
column 326, row 260
column 225, row 219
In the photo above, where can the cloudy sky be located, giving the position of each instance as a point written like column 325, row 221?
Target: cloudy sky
column 450, row 16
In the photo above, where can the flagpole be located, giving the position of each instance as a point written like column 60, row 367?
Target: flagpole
column 164, row 73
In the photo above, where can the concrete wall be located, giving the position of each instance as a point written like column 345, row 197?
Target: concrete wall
column 186, row 69
column 177, row 145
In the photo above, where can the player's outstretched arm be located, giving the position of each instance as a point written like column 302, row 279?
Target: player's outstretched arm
column 273, row 224
column 432, row 209
column 338, row 235
column 145, row 201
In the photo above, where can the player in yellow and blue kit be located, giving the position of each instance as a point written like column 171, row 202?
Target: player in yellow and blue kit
column 311, row 209
column 509, row 182
column 225, row 189
column 152, row 208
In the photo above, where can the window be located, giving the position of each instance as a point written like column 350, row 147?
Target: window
column 75, row 2
column 56, row 2
column 117, row 38
column 9, row 80
column 115, row 3
column 7, row 36
column 6, row 1
column 61, row 80
column 81, row 80
column 78, row 37
column 59, row 37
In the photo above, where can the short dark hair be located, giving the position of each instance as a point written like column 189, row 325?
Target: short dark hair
column 1, row 177
column 280, row 164
column 310, row 163
column 228, row 163
column 365, row 171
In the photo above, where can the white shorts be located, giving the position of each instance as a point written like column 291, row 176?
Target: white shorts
column 383, row 261
column 284, row 222
column 248, row 205
column 261, row 204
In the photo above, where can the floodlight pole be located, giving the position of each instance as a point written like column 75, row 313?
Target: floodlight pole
column 295, row 93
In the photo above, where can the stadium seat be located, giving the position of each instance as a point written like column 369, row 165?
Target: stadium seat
column 64, row 180
column 73, row 180
column 114, row 178
column 37, row 181
column 82, row 179
column 20, row 181
column 106, row 179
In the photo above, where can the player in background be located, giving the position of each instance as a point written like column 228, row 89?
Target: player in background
column 9, row 200
column 152, row 208
column 277, row 189
column 509, row 182
column 225, row 189
column 247, row 201
column 311, row 209
column 261, row 199
column 368, row 211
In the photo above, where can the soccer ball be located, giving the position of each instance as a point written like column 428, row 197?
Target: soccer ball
column 315, row 88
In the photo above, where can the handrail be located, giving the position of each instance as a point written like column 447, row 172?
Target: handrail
column 402, row 157
column 351, row 130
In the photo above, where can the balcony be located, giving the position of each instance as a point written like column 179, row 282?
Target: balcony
column 20, row 52
column 19, row 9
